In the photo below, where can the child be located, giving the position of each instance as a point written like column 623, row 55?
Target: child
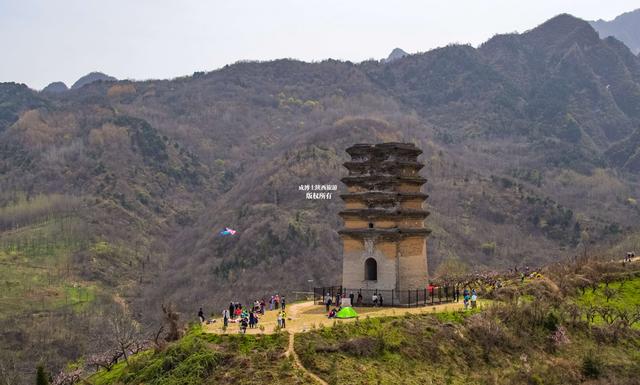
column 243, row 326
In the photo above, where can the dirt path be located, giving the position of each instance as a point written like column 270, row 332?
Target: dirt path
column 305, row 316
column 291, row 351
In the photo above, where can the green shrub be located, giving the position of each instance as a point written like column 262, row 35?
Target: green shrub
column 488, row 248
column 551, row 321
column 536, row 380
column 41, row 376
column 591, row 366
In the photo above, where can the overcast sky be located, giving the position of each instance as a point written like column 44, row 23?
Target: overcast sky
column 47, row 40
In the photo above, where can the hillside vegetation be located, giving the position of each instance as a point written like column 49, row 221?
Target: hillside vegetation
column 530, row 146
column 534, row 334
column 536, row 331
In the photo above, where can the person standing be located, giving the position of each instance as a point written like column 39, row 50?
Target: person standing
column 351, row 297
column 225, row 317
column 359, row 298
column 280, row 320
column 284, row 302
column 252, row 320
column 232, row 309
column 327, row 302
column 201, row 315
column 474, row 298
column 283, row 317
column 380, row 299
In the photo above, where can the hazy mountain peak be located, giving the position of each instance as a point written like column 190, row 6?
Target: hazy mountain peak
column 564, row 25
column 55, row 88
column 625, row 28
column 397, row 53
column 90, row 78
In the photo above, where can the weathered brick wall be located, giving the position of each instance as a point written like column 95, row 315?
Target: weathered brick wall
column 354, row 205
column 354, row 256
column 411, row 204
column 413, row 263
column 409, row 188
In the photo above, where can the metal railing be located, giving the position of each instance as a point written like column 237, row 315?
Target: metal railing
column 433, row 295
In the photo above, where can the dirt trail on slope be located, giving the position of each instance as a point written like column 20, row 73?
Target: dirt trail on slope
column 305, row 316
column 291, row 351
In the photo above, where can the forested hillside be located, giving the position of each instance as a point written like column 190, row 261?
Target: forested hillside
column 114, row 192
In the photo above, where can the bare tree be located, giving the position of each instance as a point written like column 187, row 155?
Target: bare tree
column 624, row 317
column 9, row 373
column 68, row 378
column 591, row 313
column 171, row 318
column 635, row 316
column 124, row 332
column 607, row 313
column 609, row 293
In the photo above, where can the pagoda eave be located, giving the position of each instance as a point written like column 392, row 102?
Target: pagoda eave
column 383, row 213
column 358, row 179
column 383, row 196
column 364, row 149
column 385, row 233
column 387, row 164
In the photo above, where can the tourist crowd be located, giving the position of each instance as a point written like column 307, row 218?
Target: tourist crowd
column 248, row 316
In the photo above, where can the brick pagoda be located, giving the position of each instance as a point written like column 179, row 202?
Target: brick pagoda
column 384, row 238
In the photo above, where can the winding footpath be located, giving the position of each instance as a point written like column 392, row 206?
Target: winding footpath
column 305, row 316
column 291, row 351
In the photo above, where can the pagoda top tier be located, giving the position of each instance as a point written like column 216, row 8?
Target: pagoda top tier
column 384, row 151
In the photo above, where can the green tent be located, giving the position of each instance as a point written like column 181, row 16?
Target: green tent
column 347, row 312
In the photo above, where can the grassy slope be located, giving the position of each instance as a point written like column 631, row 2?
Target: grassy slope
column 34, row 263
column 203, row 358
column 446, row 348
column 45, row 305
column 503, row 345
column 626, row 297
column 512, row 342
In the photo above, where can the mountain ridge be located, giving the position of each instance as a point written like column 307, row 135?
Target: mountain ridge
column 528, row 147
column 624, row 27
